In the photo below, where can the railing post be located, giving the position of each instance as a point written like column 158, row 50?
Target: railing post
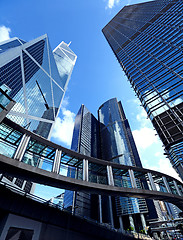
column 110, row 175
column 56, row 162
column 153, row 186
column 177, row 188
column 132, row 178
column 85, row 170
column 166, row 184
column 22, row 147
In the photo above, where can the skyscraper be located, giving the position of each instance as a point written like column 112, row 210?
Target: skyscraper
column 36, row 78
column 108, row 138
column 85, row 140
column 118, row 146
column 147, row 40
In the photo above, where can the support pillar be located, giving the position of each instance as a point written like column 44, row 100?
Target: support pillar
column 121, row 223
column 73, row 203
column 143, row 221
column 100, row 208
column 132, row 178
column 177, row 188
column 110, row 176
column 166, row 184
column 131, row 221
column 85, row 170
column 56, row 163
column 22, row 148
column 153, row 186
column 111, row 212
column 110, row 182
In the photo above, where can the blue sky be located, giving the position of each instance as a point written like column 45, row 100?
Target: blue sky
column 97, row 75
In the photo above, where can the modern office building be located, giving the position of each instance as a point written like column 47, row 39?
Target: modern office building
column 147, row 40
column 85, row 140
column 109, row 138
column 117, row 145
column 36, row 78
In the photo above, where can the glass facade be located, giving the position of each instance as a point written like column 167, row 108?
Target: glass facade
column 109, row 138
column 36, row 79
column 117, row 147
column 147, row 40
column 86, row 141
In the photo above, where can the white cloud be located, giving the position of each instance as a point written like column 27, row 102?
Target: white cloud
column 63, row 128
column 144, row 137
column 4, row 33
column 142, row 118
column 112, row 3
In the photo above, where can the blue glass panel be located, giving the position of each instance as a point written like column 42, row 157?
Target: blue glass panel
column 11, row 75
column 8, row 45
column 57, row 95
column 38, row 92
column 36, row 50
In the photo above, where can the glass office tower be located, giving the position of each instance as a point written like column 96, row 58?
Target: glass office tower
column 118, row 146
column 36, row 78
column 85, row 140
column 110, row 139
column 147, row 40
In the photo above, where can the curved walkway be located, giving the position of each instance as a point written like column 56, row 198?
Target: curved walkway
column 36, row 159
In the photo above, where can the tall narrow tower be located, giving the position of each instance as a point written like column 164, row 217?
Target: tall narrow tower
column 36, row 78
column 117, row 145
column 147, row 40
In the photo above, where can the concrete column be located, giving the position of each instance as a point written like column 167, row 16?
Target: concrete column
column 166, row 184
column 177, row 188
column 56, row 163
column 153, row 186
column 85, row 170
column 110, row 176
column 22, row 147
column 100, row 208
column 131, row 221
column 132, row 178
column 121, row 223
column 143, row 221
